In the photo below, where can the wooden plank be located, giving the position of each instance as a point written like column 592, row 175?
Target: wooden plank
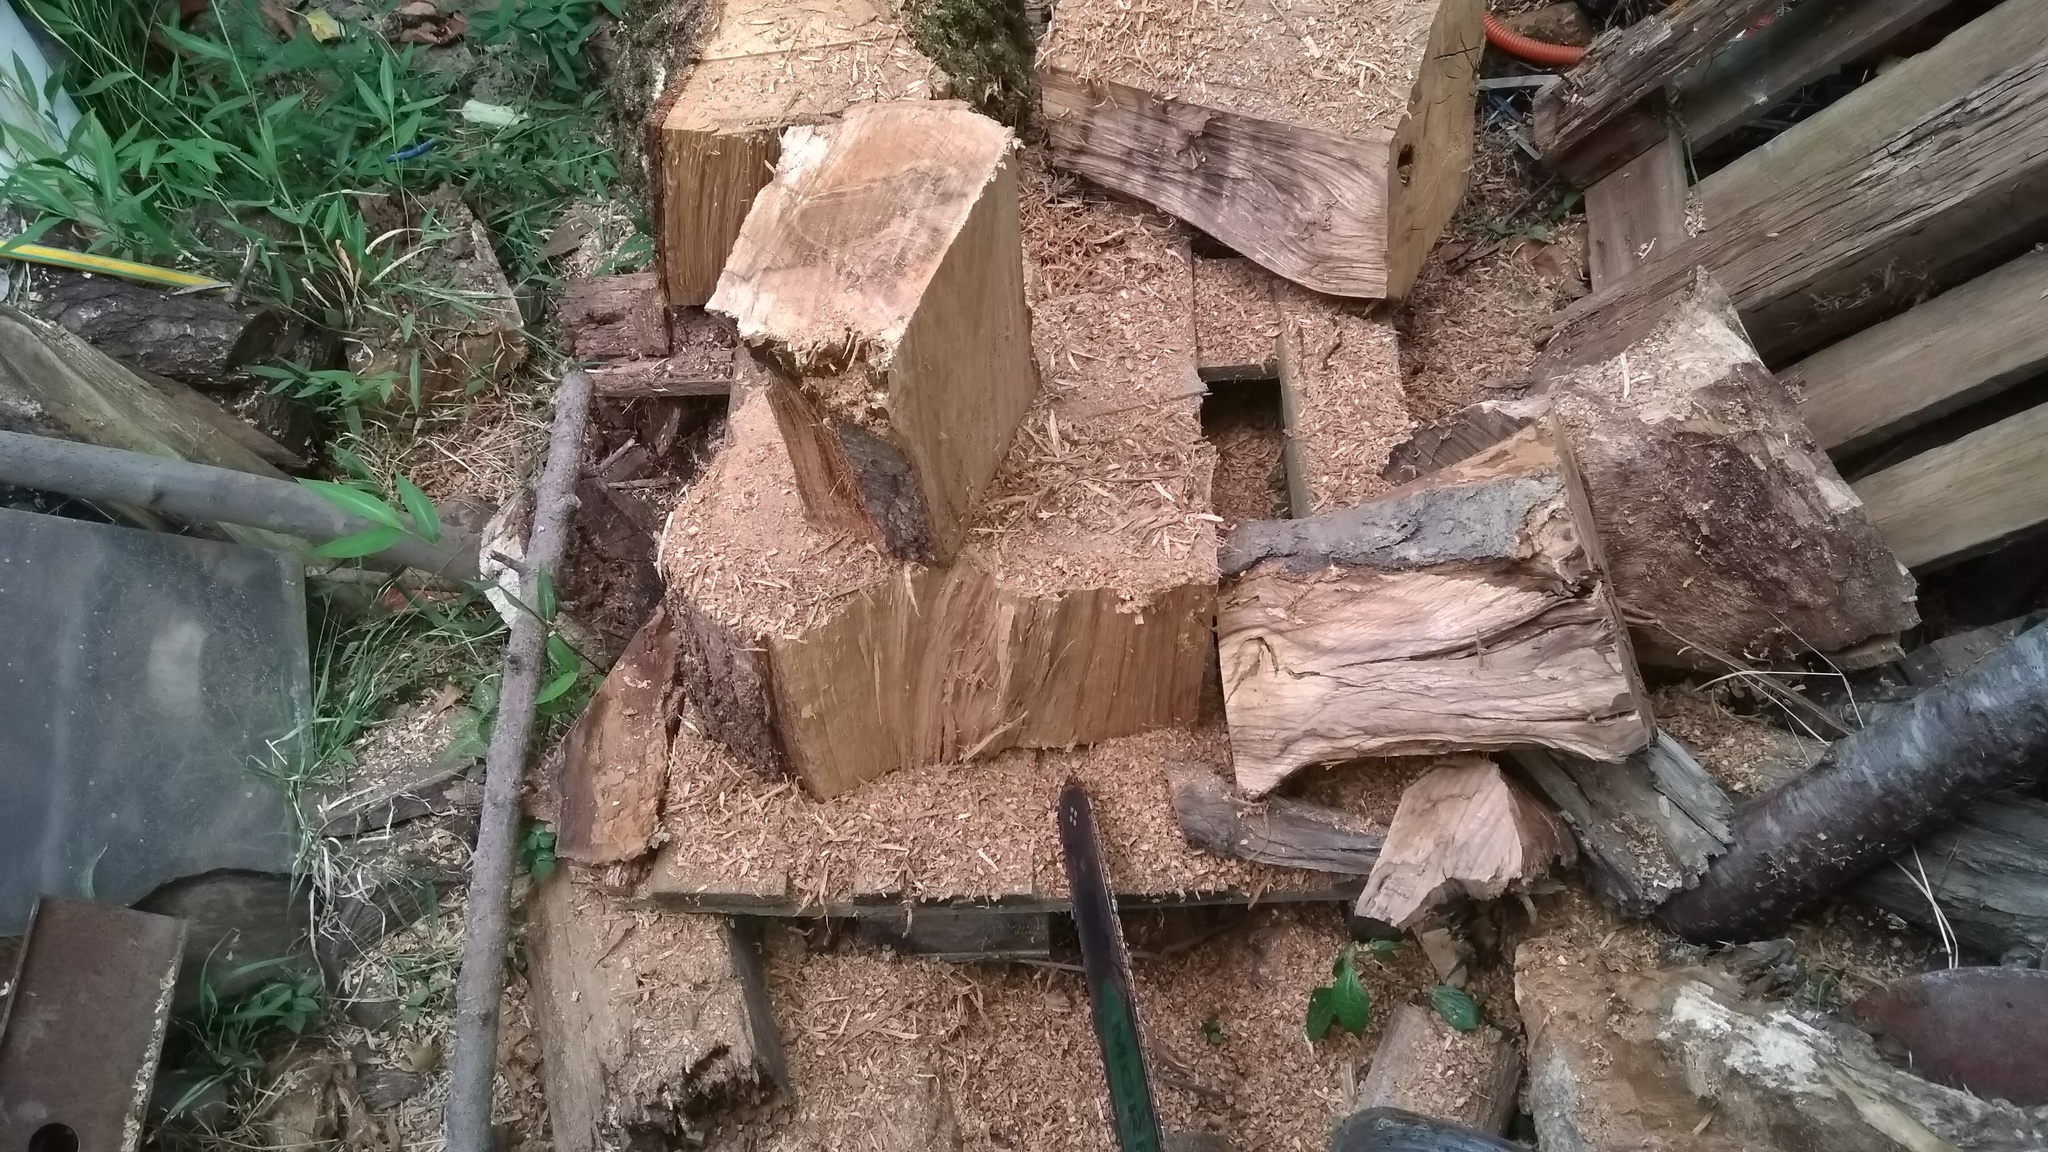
column 1846, row 133
column 1595, row 119
column 1953, row 501
column 1234, row 125
column 1464, row 829
column 1282, row 831
column 885, row 258
column 1957, row 190
column 1749, row 77
column 1635, row 212
column 763, row 65
column 1967, row 343
column 1357, row 633
column 1423, row 1066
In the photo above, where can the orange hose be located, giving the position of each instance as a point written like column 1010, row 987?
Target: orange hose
column 1534, row 51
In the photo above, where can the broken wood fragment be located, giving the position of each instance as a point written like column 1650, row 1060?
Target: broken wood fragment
column 1726, row 526
column 1595, row 119
column 1468, row 609
column 614, row 764
column 1280, row 831
column 1649, row 825
column 1463, row 829
column 958, row 934
column 1423, row 1066
column 1238, row 130
column 1236, row 323
column 762, row 65
column 1988, row 877
column 1875, row 793
column 1464, row 434
column 623, row 317
column 880, row 273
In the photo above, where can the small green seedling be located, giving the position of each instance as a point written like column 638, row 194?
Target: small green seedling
column 537, row 851
column 1343, row 1002
column 1212, row 1029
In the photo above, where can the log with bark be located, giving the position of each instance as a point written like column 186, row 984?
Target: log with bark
column 197, row 338
column 1281, row 831
column 881, row 275
column 1465, row 830
column 1874, row 794
column 1079, row 607
column 1229, row 120
column 762, row 65
column 1725, row 524
column 1467, row 610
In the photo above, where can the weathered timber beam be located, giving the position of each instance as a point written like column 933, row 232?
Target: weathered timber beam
column 1636, row 212
column 1951, row 502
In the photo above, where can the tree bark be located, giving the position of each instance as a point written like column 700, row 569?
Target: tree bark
column 199, row 339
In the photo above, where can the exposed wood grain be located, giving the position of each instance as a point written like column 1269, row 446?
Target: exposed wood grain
column 1281, row 831
column 1462, row 829
column 959, row 934
column 615, row 759
column 1952, row 501
column 1724, row 522
column 1423, row 1066
column 1466, row 610
column 1829, row 143
column 1951, row 194
column 1965, row 344
column 1465, row 433
column 1748, row 77
column 885, row 258
column 1576, row 120
column 1635, row 212
column 763, row 65
column 1634, row 819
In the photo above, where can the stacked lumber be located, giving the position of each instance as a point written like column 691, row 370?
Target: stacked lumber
column 1329, row 145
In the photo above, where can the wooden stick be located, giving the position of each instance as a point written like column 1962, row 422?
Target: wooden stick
column 203, row 492
column 473, row 1065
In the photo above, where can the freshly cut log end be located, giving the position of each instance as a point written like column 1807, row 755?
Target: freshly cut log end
column 881, row 274
column 765, row 65
column 1080, row 609
column 1725, row 524
column 1234, row 124
column 1464, row 829
column 1467, row 610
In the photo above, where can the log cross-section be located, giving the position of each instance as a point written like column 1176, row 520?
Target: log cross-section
column 1466, row 610
column 881, row 274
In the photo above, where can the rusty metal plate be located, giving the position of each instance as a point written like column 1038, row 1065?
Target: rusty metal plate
column 84, row 1027
column 1981, row 1029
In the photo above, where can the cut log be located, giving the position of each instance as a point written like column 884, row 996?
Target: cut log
column 1340, row 396
column 1425, row 1067
column 614, row 764
column 1234, row 124
column 1237, row 326
column 199, row 339
column 1960, row 347
column 1461, row 830
column 881, row 273
column 764, row 65
column 1636, row 212
column 1079, row 608
column 1850, row 243
column 1596, row 119
column 1819, row 147
column 1726, row 526
column 1955, row 501
column 1280, row 831
column 1988, row 877
column 1467, row 610
column 1649, row 825
column 642, row 1019
column 1875, row 793
column 1751, row 76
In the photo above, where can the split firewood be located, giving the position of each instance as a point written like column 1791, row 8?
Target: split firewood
column 1467, row 610
column 1423, row 1066
column 615, row 760
column 1289, row 833
column 1235, row 125
column 762, row 66
column 1649, row 825
column 1726, row 526
column 880, row 274
column 199, row 339
column 1080, row 607
column 1876, row 792
column 1464, row 829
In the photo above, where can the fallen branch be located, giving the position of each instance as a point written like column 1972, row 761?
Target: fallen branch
column 473, row 1064
column 1876, row 792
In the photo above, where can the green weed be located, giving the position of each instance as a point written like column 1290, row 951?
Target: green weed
column 228, row 1043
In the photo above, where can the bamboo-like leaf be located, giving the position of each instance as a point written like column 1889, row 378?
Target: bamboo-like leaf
column 354, row 502
column 426, row 521
column 360, row 544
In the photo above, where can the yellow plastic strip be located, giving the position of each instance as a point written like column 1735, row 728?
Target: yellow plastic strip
column 127, row 269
